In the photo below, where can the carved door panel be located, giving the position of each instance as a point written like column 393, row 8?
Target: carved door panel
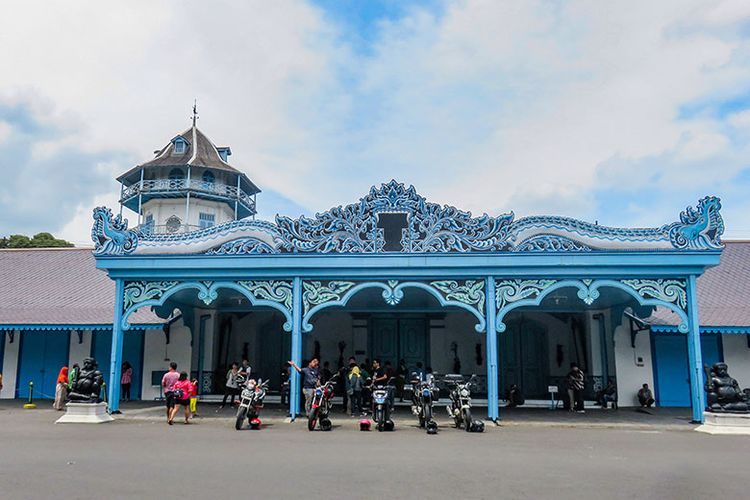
column 535, row 362
column 510, row 356
column 413, row 342
column 384, row 339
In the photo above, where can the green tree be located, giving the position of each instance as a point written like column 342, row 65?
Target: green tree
column 39, row 240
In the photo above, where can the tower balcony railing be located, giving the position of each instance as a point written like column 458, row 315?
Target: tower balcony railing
column 180, row 186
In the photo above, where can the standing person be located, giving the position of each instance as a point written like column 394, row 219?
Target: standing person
column 231, row 386
column 182, row 391
column 194, row 399
column 61, row 390
column 245, row 369
column 125, row 381
column 327, row 374
column 575, row 382
column 167, row 383
column 73, row 376
column 430, row 377
column 1, row 381
column 354, row 389
column 310, row 380
column 401, row 374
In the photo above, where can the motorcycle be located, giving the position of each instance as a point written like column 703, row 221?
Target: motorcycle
column 321, row 407
column 424, row 394
column 459, row 408
column 381, row 406
column 251, row 402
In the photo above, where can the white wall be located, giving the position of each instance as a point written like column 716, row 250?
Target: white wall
column 82, row 350
column 10, row 366
column 158, row 354
column 631, row 372
column 737, row 357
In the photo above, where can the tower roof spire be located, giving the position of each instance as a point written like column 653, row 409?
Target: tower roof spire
column 195, row 111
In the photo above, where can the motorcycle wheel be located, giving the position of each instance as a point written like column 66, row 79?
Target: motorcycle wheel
column 467, row 419
column 428, row 413
column 422, row 421
column 312, row 421
column 240, row 421
column 380, row 426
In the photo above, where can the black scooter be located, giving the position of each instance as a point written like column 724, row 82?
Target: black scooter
column 424, row 394
column 381, row 406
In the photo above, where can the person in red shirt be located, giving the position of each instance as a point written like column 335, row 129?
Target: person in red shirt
column 183, row 389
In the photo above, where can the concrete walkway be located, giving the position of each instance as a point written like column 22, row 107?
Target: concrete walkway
column 624, row 418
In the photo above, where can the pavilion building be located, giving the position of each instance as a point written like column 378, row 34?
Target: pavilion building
column 391, row 276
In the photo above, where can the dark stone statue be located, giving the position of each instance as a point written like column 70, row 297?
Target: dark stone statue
column 724, row 393
column 88, row 383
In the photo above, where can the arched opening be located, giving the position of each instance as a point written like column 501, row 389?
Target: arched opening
column 211, row 325
column 603, row 326
column 391, row 324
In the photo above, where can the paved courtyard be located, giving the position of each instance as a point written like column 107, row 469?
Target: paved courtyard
column 139, row 456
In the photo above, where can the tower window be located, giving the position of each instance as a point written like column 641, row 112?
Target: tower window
column 148, row 224
column 175, row 176
column 179, row 146
column 173, row 224
column 208, row 179
column 206, row 220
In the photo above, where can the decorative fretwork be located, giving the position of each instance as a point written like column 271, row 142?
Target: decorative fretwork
column 274, row 291
column 430, row 228
column 546, row 243
column 510, row 291
column 111, row 235
column 470, row 292
column 667, row 290
column 137, row 292
column 319, row 292
column 243, row 246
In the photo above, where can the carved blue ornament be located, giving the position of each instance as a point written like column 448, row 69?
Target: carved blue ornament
column 136, row 292
column 429, row 228
column 111, row 235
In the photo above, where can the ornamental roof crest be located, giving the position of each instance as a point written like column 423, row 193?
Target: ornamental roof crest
column 395, row 218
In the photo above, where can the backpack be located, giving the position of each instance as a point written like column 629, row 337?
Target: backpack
column 179, row 394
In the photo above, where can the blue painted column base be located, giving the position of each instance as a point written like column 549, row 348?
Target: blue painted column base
column 113, row 391
column 296, row 354
column 695, row 356
column 493, row 412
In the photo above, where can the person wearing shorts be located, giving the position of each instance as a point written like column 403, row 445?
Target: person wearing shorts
column 167, row 382
column 183, row 389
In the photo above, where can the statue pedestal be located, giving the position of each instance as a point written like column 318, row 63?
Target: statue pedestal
column 85, row 413
column 725, row 423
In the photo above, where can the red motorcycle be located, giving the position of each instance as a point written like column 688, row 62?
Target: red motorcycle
column 321, row 406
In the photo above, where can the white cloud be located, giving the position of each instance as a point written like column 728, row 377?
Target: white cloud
column 491, row 106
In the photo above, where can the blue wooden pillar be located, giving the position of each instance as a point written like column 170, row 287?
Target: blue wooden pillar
column 491, row 350
column 116, row 358
column 695, row 357
column 294, row 388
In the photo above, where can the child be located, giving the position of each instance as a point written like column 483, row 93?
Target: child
column 194, row 399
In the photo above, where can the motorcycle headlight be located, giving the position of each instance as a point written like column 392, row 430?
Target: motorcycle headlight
column 465, row 393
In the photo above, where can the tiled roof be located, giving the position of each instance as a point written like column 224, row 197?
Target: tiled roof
column 58, row 286
column 723, row 291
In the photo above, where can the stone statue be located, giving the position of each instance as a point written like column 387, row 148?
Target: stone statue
column 87, row 384
column 724, row 393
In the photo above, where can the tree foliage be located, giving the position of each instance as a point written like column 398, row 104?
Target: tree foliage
column 39, row 240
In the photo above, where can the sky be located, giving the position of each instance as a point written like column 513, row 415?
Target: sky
column 618, row 112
